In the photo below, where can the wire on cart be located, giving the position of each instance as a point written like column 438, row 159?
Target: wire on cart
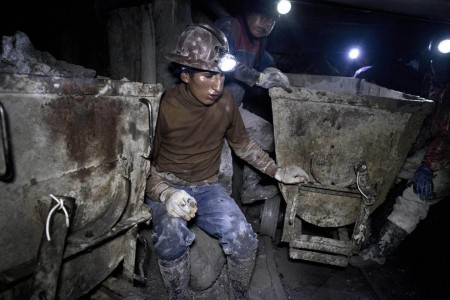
column 59, row 205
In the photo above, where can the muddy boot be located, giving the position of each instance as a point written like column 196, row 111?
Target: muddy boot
column 390, row 238
column 252, row 190
column 239, row 274
column 176, row 275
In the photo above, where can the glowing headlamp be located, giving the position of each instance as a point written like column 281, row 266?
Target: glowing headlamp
column 444, row 46
column 283, row 7
column 226, row 62
column 354, row 53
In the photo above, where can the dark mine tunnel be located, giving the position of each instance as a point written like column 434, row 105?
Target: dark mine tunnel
column 87, row 140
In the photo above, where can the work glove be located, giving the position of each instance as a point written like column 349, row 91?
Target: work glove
column 291, row 175
column 423, row 182
column 178, row 203
column 272, row 77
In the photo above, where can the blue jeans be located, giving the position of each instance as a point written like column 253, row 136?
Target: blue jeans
column 218, row 215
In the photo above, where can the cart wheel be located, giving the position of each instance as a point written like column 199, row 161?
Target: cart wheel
column 269, row 216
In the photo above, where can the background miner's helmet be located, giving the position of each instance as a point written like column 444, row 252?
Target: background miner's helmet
column 265, row 7
column 203, row 47
column 439, row 54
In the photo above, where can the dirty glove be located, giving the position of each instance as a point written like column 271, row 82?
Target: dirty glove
column 272, row 77
column 178, row 203
column 423, row 182
column 291, row 175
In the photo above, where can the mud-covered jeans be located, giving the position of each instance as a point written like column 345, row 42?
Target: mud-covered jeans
column 218, row 215
column 409, row 209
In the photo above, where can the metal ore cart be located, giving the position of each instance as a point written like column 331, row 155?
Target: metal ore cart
column 352, row 137
column 83, row 141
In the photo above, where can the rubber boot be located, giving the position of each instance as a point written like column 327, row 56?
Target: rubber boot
column 390, row 238
column 176, row 275
column 252, row 190
column 239, row 274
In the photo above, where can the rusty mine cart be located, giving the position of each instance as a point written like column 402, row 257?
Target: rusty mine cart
column 352, row 137
column 83, row 141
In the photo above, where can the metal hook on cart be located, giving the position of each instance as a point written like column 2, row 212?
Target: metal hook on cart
column 7, row 174
column 368, row 198
column 363, row 183
column 150, row 126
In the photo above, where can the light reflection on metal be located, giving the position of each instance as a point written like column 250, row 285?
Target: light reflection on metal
column 7, row 174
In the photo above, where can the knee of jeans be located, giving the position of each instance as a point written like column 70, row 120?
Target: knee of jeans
column 242, row 242
column 172, row 237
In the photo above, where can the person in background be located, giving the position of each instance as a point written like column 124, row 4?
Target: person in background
column 247, row 35
column 427, row 169
column 394, row 74
column 195, row 118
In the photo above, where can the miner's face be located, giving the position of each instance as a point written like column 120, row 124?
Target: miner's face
column 206, row 87
column 260, row 25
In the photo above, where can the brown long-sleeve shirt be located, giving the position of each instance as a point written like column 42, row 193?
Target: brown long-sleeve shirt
column 189, row 139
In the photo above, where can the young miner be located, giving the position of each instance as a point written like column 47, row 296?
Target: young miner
column 195, row 118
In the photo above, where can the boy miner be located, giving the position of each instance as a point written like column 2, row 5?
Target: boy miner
column 194, row 118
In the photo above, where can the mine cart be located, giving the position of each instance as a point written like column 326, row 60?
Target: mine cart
column 73, row 151
column 352, row 137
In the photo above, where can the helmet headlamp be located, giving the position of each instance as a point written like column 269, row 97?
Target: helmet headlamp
column 283, row 7
column 226, row 62
column 444, row 46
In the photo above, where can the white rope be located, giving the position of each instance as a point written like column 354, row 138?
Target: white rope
column 357, row 184
column 59, row 205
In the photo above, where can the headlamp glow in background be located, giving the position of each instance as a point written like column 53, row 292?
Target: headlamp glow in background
column 444, row 46
column 354, row 53
column 227, row 63
column 284, row 7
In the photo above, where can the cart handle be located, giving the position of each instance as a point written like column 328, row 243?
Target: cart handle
column 7, row 174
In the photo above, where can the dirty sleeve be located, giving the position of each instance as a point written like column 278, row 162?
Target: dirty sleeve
column 246, row 74
column 155, row 185
column 256, row 156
